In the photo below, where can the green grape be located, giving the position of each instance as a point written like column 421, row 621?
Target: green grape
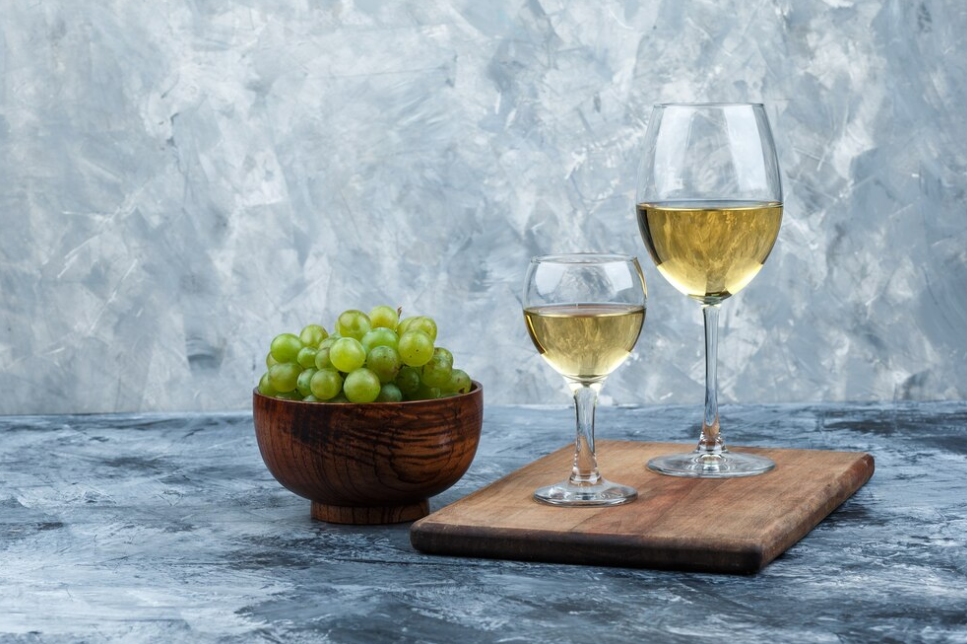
column 416, row 348
column 380, row 337
column 444, row 352
column 436, row 372
column 269, row 361
column 306, row 357
column 389, row 393
column 302, row 383
column 425, row 324
column 325, row 384
column 310, row 398
column 408, row 380
column 347, row 354
column 283, row 376
column 289, row 395
column 312, row 335
column 384, row 362
column 265, row 385
column 286, row 347
column 341, row 398
column 353, row 324
column 322, row 353
column 426, row 393
column 361, row 386
column 404, row 324
column 322, row 360
column 384, row 316
column 459, row 382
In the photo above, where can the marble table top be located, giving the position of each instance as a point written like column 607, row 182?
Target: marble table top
column 168, row 528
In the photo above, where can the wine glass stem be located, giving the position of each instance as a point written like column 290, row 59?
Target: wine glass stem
column 711, row 443
column 585, row 470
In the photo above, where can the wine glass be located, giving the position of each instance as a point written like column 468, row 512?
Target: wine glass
column 709, row 206
column 584, row 313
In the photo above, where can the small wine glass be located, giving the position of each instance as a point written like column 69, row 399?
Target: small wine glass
column 584, row 313
column 709, row 210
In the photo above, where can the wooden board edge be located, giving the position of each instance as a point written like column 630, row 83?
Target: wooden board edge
column 434, row 538
column 854, row 478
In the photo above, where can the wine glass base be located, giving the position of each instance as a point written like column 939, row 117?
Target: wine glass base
column 726, row 466
column 604, row 493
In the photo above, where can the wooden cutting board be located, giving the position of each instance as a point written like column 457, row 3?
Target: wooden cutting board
column 726, row 525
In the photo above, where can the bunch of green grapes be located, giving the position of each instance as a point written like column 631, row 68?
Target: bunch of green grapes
column 369, row 358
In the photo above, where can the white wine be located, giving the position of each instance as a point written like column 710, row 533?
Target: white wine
column 585, row 342
column 709, row 250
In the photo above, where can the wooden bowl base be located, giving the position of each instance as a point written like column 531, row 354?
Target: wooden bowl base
column 370, row 515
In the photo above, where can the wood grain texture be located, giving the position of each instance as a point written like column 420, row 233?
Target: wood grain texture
column 369, row 463
column 725, row 525
column 370, row 515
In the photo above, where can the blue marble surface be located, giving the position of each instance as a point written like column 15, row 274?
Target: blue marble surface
column 148, row 528
column 181, row 180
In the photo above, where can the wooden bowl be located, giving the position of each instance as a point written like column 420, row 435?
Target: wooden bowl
column 372, row 463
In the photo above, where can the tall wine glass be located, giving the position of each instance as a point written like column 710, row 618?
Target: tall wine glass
column 709, row 209
column 584, row 313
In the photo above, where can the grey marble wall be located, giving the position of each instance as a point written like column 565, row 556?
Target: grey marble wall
column 181, row 180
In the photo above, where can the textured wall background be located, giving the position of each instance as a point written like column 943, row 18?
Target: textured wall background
column 179, row 181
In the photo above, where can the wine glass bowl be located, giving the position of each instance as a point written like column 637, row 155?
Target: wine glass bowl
column 709, row 250
column 584, row 313
column 709, row 208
